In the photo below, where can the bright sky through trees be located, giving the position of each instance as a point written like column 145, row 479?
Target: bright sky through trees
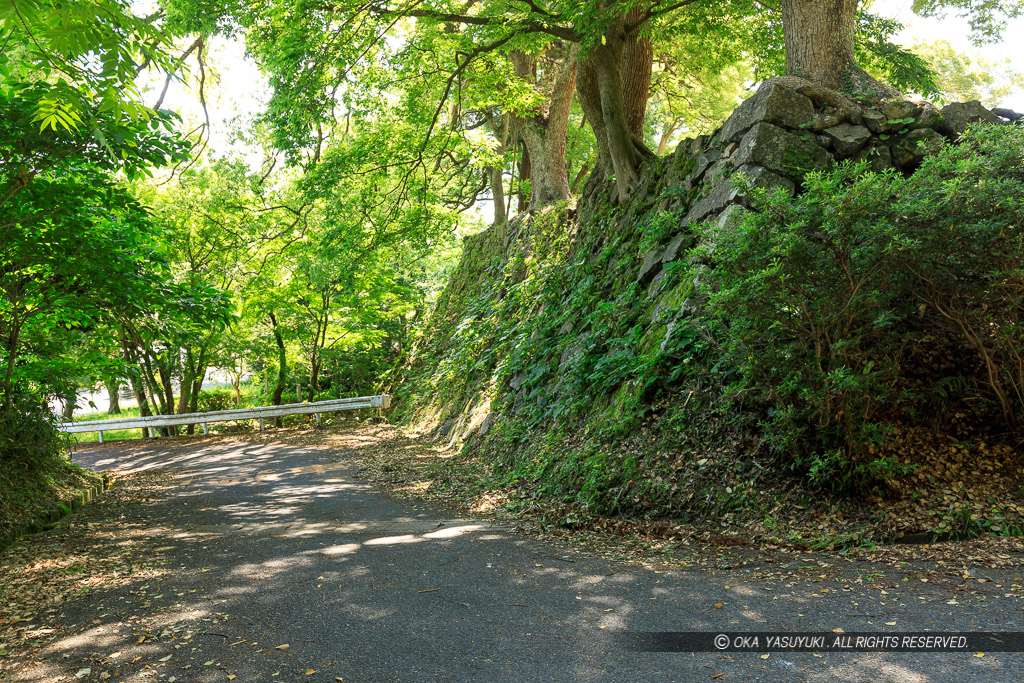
column 239, row 90
column 954, row 30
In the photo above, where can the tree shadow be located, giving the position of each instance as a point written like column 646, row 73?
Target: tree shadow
column 266, row 545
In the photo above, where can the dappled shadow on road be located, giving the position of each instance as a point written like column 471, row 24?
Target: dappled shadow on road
column 278, row 562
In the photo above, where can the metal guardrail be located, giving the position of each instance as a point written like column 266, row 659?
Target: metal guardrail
column 259, row 413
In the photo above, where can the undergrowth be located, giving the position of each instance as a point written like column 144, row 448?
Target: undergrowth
column 35, row 472
column 831, row 341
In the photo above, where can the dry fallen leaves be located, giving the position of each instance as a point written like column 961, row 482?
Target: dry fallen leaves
column 86, row 552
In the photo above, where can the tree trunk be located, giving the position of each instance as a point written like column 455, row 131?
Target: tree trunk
column 525, row 173
column 197, row 387
column 637, row 67
column 500, row 129
column 193, row 370
column 70, row 399
column 319, row 343
column 549, row 182
column 819, row 40
column 614, row 85
column 197, row 382
column 139, row 389
column 136, row 381
column 498, row 194
column 314, row 378
column 544, row 130
column 590, row 101
column 574, row 187
column 623, row 147
column 282, row 370
column 113, row 386
column 163, row 391
column 166, row 389
column 187, row 373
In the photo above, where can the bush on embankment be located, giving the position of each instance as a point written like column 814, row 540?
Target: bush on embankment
column 873, row 299
column 35, row 473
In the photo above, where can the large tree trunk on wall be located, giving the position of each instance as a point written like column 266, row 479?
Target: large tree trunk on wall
column 819, row 40
column 590, row 101
column 549, row 182
column 544, row 132
column 819, row 37
column 613, row 88
column 637, row 66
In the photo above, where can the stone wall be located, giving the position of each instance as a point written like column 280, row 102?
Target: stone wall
column 550, row 317
column 780, row 134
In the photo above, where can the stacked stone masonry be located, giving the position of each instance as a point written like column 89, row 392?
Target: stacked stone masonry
column 779, row 135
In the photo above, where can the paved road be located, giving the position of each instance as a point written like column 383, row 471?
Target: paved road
column 271, row 545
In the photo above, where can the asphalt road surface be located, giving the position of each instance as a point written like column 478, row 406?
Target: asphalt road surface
column 273, row 545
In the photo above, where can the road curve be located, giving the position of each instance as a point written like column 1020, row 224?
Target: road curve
column 269, row 545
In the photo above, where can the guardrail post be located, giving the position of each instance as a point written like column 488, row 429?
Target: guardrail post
column 317, row 419
column 101, row 437
column 260, row 421
column 204, row 429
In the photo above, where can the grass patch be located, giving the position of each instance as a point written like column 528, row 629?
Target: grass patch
column 112, row 435
column 124, row 414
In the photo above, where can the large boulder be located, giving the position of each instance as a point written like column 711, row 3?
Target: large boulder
column 960, row 116
column 877, row 154
column 848, row 139
column 706, row 159
column 929, row 118
column 650, row 267
column 726, row 193
column 782, row 152
column 772, row 103
column 655, row 259
column 874, row 120
column 675, row 247
column 896, row 110
column 917, row 144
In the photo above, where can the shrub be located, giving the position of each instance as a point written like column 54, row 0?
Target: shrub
column 840, row 310
column 28, row 431
column 215, row 399
column 35, row 473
